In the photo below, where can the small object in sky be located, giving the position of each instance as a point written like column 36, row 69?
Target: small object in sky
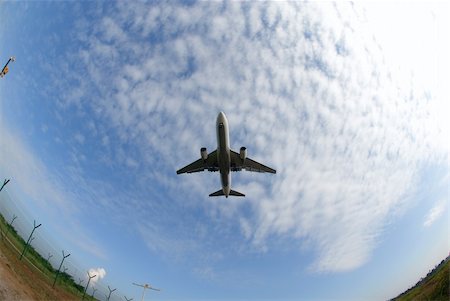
column 224, row 160
column 5, row 68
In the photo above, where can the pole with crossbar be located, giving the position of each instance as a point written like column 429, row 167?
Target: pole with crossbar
column 87, row 285
column 4, row 183
column 29, row 238
column 10, row 225
column 146, row 286
column 110, row 291
column 59, row 269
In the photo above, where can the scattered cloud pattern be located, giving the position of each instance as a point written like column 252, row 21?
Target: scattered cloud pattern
column 309, row 95
column 305, row 88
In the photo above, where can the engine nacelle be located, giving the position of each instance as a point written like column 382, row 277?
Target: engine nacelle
column 243, row 153
column 204, row 153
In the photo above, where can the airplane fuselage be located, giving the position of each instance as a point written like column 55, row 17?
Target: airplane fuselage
column 224, row 160
column 223, row 152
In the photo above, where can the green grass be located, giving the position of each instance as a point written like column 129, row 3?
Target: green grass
column 15, row 243
column 435, row 286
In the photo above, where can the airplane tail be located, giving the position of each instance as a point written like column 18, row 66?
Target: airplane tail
column 217, row 193
column 232, row 192
column 236, row 193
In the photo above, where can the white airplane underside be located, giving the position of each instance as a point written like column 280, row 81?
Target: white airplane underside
column 224, row 160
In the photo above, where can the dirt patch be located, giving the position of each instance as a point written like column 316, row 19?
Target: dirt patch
column 20, row 281
column 11, row 287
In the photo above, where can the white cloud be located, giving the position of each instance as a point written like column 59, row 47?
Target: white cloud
column 28, row 172
column 206, row 273
column 306, row 88
column 435, row 213
column 99, row 272
column 79, row 138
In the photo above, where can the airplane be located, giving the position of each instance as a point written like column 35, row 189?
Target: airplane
column 5, row 68
column 224, row 160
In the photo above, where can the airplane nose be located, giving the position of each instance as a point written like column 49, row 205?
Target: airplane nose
column 221, row 117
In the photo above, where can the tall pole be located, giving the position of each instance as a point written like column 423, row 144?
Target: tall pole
column 59, row 269
column 5, row 68
column 87, row 285
column 110, row 291
column 29, row 238
column 48, row 257
column 4, row 183
column 93, row 292
column 146, row 286
column 128, row 299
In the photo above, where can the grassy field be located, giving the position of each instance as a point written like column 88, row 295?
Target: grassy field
column 435, row 286
column 34, row 271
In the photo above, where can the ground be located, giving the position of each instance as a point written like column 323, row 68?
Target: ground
column 19, row 281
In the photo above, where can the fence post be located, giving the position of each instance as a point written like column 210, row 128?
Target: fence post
column 4, row 183
column 29, row 238
column 87, row 285
column 59, row 269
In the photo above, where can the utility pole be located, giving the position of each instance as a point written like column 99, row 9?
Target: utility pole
column 110, row 291
column 59, row 269
column 87, row 285
column 48, row 257
column 146, row 286
column 4, row 183
column 29, row 238
column 126, row 299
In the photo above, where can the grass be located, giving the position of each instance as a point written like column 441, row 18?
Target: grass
column 35, row 270
column 435, row 286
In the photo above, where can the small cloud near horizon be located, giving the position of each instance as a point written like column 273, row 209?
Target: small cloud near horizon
column 435, row 213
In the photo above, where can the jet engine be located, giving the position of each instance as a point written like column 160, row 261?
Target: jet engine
column 204, row 153
column 243, row 153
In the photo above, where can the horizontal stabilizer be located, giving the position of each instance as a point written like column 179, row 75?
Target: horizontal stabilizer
column 236, row 193
column 232, row 192
column 217, row 193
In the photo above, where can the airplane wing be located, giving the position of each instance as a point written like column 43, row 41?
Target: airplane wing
column 210, row 164
column 248, row 164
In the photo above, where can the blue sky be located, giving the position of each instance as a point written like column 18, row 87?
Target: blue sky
column 347, row 101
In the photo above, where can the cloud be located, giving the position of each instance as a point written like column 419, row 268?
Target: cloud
column 206, row 273
column 435, row 213
column 79, row 138
column 99, row 272
column 27, row 171
column 305, row 87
